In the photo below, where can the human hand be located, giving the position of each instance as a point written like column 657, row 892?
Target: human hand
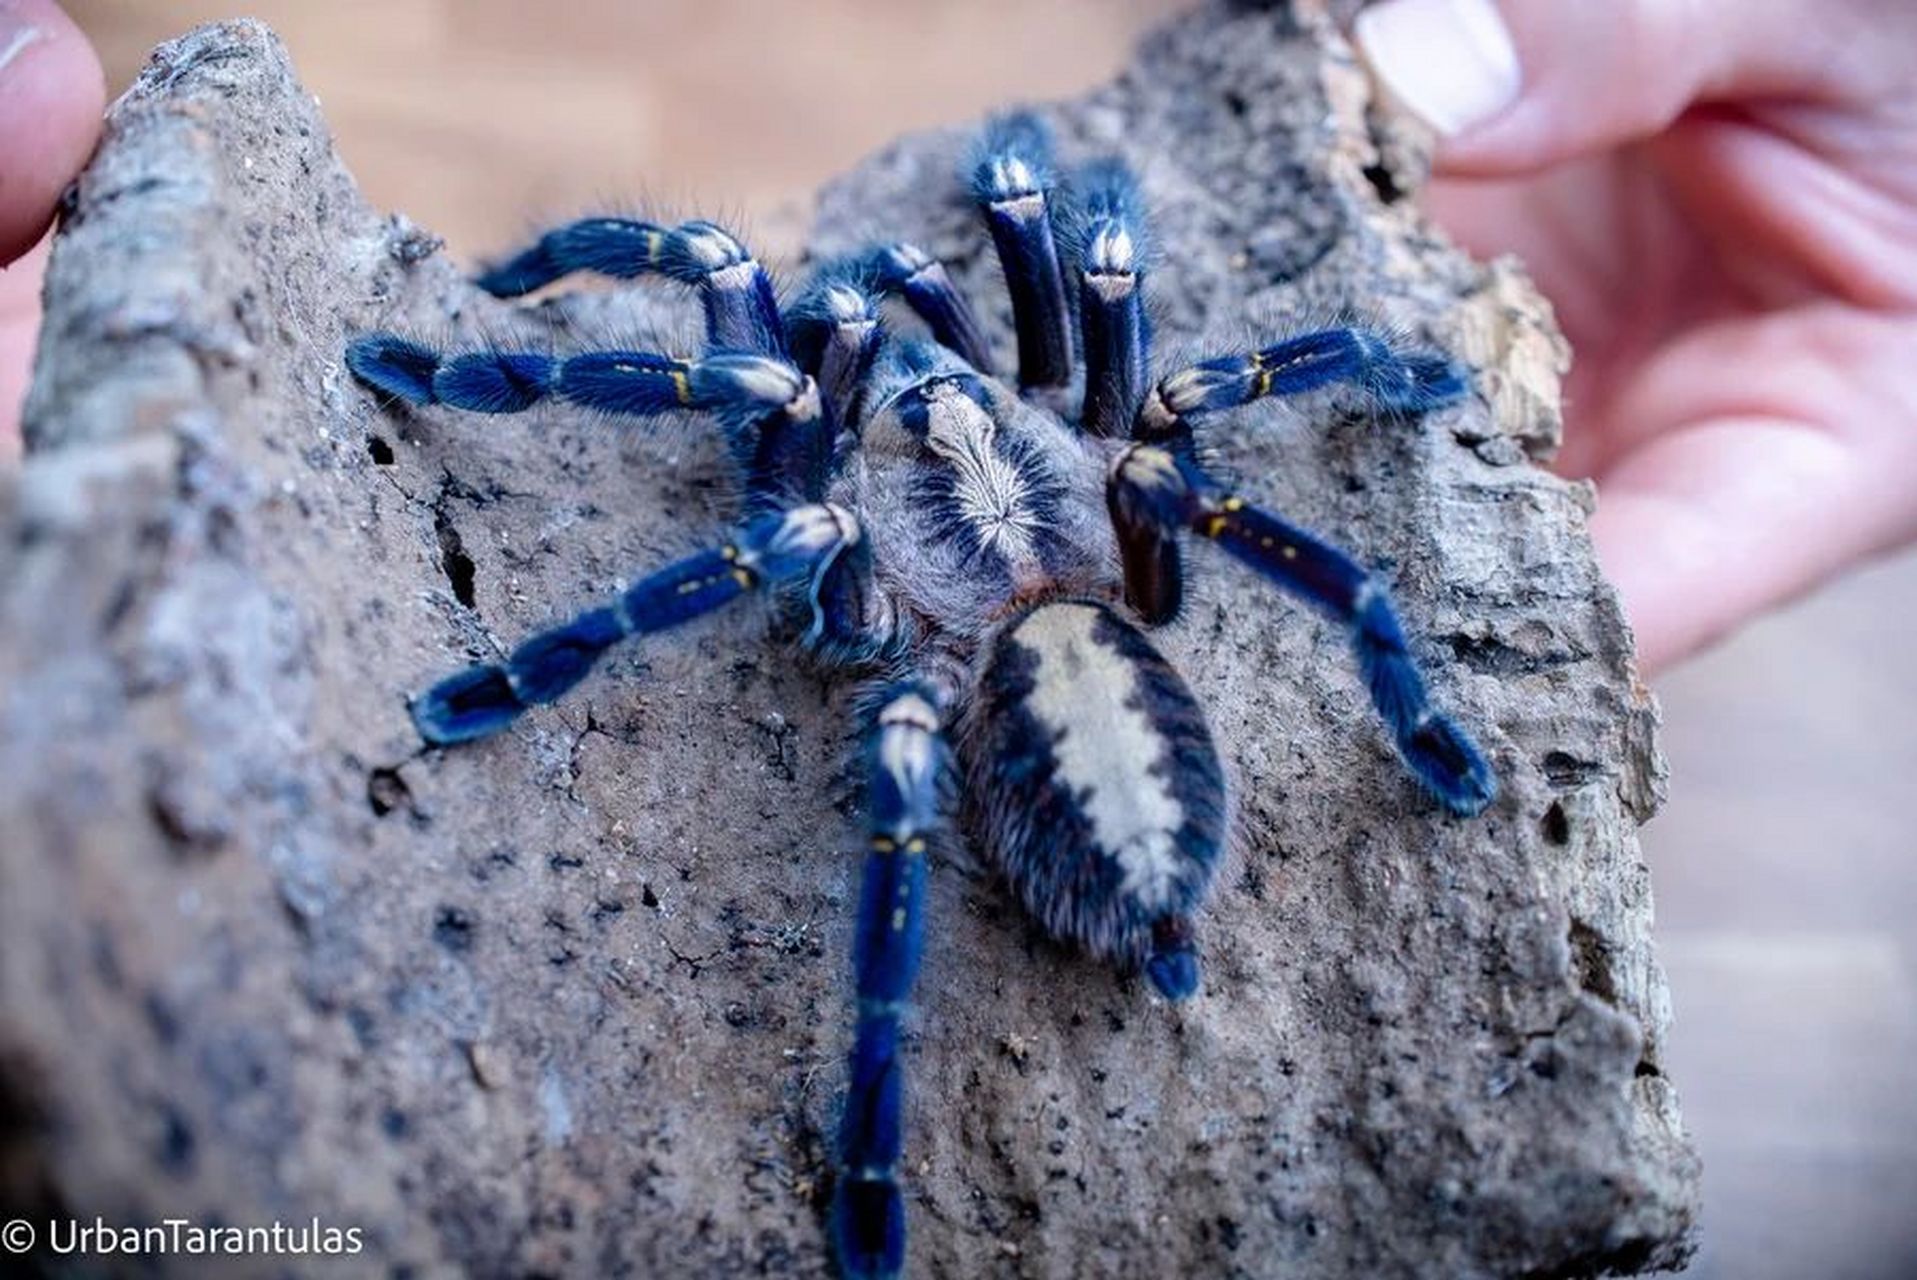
column 1720, row 199
column 51, row 98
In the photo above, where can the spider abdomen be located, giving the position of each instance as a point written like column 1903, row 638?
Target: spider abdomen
column 1095, row 786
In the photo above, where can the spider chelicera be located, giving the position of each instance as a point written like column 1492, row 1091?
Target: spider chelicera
column 986, row 565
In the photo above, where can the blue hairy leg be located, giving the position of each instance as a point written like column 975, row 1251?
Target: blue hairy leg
column 742, row 310
column 798, row 545
column 623, row 248
column 1109, row 232
column 913, row 274
column 836, row 334
column 779, row 428
column 905, row 761
column 1392, row 379
column 1012, row 183
column 1156, row 494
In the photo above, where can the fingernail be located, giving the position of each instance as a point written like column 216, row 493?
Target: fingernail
column 1450, row 61
column 15, row 35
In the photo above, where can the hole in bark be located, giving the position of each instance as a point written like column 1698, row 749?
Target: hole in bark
column 1564, row 770
column 177, row 1143
column 1557, row 827
column 185, row 836
column 1591, row 960
column 453, row 930
column 382, row 453
column 23, row 1118
column 387, row 791
column 161, row 1017
column 458, row 566
column 1627, row 1259
column 27, row 1187
column 1384, row 183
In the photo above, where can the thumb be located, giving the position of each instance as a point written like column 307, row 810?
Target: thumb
column 51, row 95
column 1516, row 85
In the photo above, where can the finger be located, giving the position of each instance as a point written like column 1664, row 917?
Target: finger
column 1735, row 495
column 1623, row 268
column 19, row 327
column 1703, row 530
column 1516, row 85
column 51, row 97
column 1799, row 203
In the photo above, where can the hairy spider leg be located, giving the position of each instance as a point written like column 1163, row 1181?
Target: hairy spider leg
column 1012, row 184
column 742, row 310
column 623, row 248
column 914, row 275
column 1392, row 379
column 780, row 430
column 1109, row 232
column 800, row 545
column 836, row 330
column 906, row 759
column 1155, row 494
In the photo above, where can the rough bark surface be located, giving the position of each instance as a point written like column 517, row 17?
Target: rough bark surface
column 574, row 1001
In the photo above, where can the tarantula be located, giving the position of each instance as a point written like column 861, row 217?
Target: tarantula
column 986, row 564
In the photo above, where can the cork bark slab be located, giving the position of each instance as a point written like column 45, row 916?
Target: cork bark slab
column 574, row 1000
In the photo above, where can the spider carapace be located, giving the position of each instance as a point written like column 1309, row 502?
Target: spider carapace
column 988, row 566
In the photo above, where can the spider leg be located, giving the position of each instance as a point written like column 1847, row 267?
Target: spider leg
column 780, row 430
column 1109, row 232
column 1394, row 379
column 800, row 545
column 742, row 311
column 837, row 329
column 909, row 272
column 906, row 759
column 1012, row 183
column 623, row 248
column 836, row 333
column 1156, row 494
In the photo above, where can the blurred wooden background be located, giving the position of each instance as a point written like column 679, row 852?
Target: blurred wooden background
column 478, row 117
column 1786, row 862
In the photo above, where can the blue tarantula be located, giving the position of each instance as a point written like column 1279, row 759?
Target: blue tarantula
column 986, row 564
